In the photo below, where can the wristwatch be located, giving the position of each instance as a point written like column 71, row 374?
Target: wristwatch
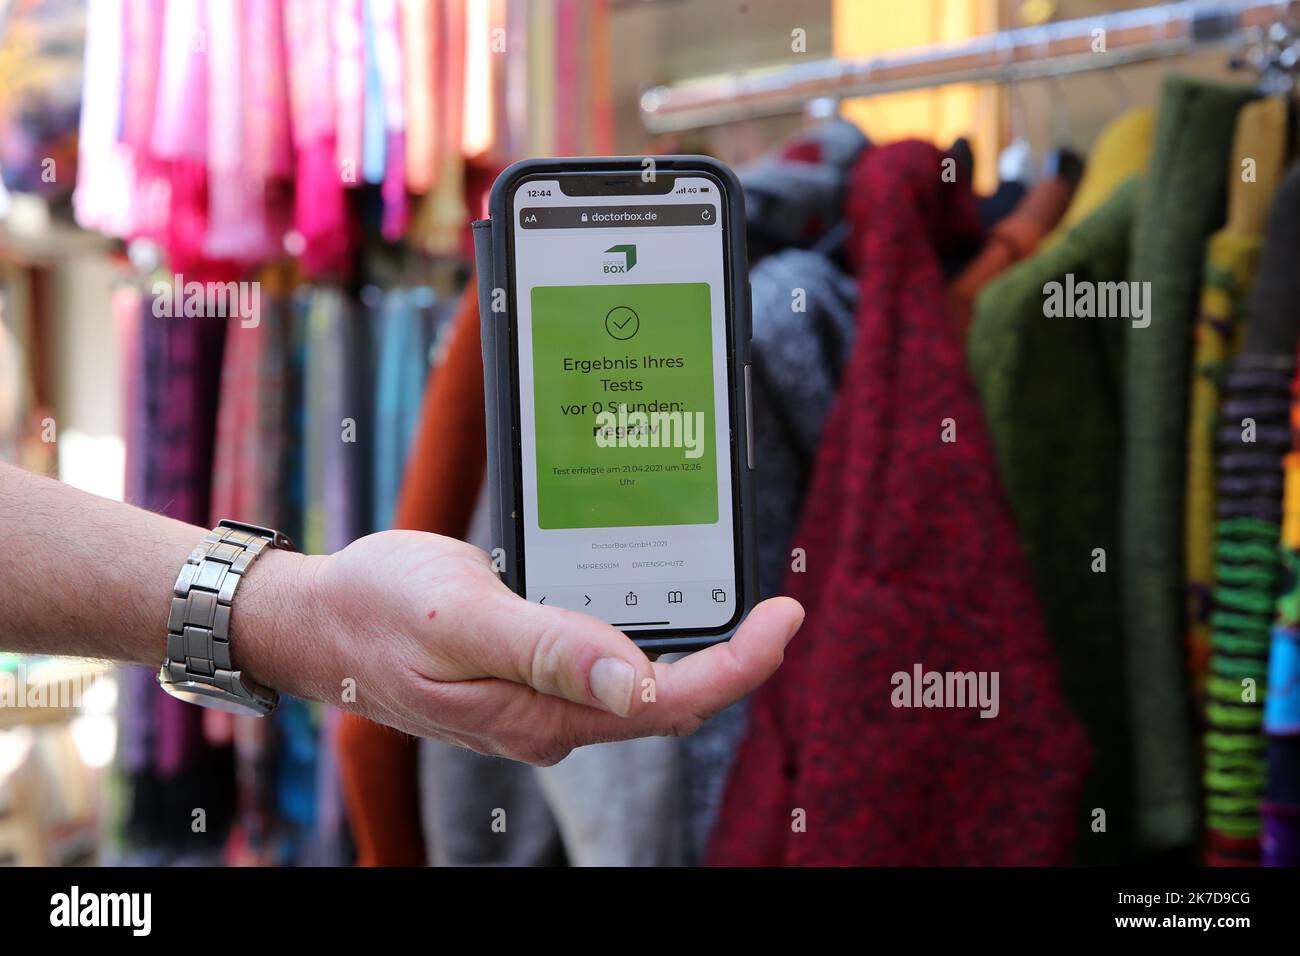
column 199, row 667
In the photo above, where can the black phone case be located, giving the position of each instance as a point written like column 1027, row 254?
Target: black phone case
column 501, row 379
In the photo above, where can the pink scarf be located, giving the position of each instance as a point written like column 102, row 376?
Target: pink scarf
column 266, row 112
column 349, row 91
column 99, row 201
column 309, row 43
column 320, row 216
column 237, row 228
column 388, row 48
column 180, row 130
column 144, row 20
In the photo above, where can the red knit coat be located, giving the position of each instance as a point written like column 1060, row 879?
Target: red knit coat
column 912, row 558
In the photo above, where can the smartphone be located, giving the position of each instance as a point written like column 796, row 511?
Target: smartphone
column 616, row 349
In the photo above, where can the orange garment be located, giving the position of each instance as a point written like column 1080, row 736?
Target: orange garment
column 444, row 475
column 1009, row 241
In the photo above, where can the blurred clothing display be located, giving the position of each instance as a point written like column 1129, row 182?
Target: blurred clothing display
column 1245, row 425
column 1122, row 150
column 1028, row 454
column 1032, row 373
column 168, row 768
column 286, row 439
column 1009, row 240
column 232, row 133
column 620, row 804
column 1180, row 207
column 1273, row 334
column 405, row 328
column 802, row 307
column 1231, row 258
column 478, row 810
column 896, row 511
column 397, row 795
column 839, row 379
column 448, row 459
column 484, row 811
column 795, row 196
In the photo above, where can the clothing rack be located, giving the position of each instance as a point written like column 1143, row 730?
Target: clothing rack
column 1054, row 49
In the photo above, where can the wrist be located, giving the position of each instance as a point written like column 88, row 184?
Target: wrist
column 278, row 632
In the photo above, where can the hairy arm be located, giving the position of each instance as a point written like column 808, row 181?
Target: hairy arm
column 83, row 575
column 414, row 625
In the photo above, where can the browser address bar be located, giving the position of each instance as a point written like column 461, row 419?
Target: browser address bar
column 605, row 217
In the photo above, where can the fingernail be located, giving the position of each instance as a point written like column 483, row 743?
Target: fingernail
column 612, row 682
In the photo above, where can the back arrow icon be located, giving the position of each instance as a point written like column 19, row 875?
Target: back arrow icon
column 543, row 600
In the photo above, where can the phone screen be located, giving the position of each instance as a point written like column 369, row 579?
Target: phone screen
column 621, row 344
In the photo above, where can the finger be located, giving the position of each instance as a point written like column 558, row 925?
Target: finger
column 687, row 692
column 697, row 686
column 560, row 653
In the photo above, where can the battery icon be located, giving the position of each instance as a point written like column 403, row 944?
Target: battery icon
column 704, row 189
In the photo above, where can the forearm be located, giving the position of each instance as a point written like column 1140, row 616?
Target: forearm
column 82, row 575
column 416, row 626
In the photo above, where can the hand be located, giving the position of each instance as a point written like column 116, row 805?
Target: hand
column 438, row 647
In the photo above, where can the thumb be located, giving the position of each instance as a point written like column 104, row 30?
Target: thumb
column 561, row 653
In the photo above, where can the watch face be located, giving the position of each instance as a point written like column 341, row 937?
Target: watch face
column 192, row 692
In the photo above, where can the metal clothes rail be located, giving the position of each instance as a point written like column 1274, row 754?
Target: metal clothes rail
column 1054, row 49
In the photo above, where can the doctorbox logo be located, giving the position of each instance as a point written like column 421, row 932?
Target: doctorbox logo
column 619, row 259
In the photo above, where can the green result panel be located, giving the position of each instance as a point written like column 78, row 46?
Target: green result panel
column 623, row 393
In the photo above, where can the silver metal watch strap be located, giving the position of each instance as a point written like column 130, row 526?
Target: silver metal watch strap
column 198, row 626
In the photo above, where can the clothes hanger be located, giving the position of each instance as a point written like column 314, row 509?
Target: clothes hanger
column 1273, row 53
column 1062, row 161
column 821, row 109
column 1016, row 161
column 1123, row 93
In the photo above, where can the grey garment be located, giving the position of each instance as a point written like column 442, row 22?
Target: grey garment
column 337, row 406
column 794, row 202
column 1273, row 325
column 708, row 756
column 798, row 357
column 620, row 804
column 484, row 811
column 617, row 804
column 479, row 532
column 465, row 796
